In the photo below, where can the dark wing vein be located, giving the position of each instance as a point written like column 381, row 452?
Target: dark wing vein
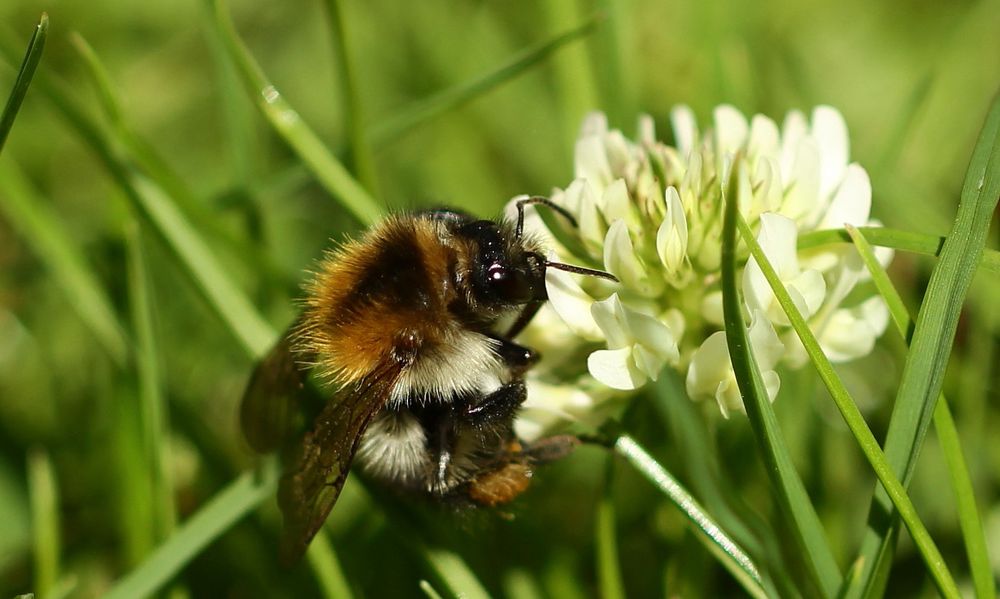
column 319, row 466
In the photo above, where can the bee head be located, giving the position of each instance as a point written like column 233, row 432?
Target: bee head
column 505, row 271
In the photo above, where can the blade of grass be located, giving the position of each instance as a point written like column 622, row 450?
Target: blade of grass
column 518, row 583
column 718, row 543
column 787, row 487
column 573, row 71
column 428, row 590
column 931, row 344
column 453, row 573
column 153, row 411
column 127, row 458
column 354, row 117
column 609, row 576
column 855, row 421
column 40, row 227
column 43, row 499
column 393, row 127
column 214, row 518
column 145, row 156
column 325, row 564
column 283, row 118
column 970, row 521
column 689, row 432
column 225, row 298
column 32, row 56
column 907, row 117
column 907, row 241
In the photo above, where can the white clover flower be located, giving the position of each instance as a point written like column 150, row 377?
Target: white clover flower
column 651, row 214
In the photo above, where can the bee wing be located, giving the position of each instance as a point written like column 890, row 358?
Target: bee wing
column 319, row 466
column 271, row 405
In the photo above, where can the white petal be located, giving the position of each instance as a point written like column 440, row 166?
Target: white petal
column 592, row 226
column 685, row 129
column 674, row 319
column 768, row 177
column 830, row 132
column 711, row 306
column 620, row 260
column 590, row 161
column 595, row 124
column 646, row 130
column 812, row 288
column 764, row 137
column 709, row 366
column 572, row 304
column 615, row 203
column 730, row 130
column 672, row 236
column 609, row 314
column 802, row 180
column 852, row 203
column 649, row 362
column 777, row 238
column 616, row 369
column 619, row 152
column 793, row 130
column 652, row 334
column 764, row 342
column 851, row 332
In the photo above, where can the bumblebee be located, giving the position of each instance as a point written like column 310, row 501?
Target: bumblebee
column 402, row 325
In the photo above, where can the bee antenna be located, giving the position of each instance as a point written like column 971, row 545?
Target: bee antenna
column 543, row 201
column 590, row 272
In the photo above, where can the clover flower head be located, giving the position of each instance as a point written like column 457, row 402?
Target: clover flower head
column 651, row 214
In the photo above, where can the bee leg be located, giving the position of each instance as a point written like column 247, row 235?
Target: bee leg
column 529, row 311
column 550, row 449
column 516, row 357
column 497, row 406
column 441, row 439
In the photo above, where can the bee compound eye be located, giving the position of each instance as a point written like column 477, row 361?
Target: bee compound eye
column 496, row 273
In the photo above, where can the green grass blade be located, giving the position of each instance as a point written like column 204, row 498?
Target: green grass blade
column 145, row 155
column 214, row 518
column 330, row 173
column 907, row 241
column 718, row 543
column 855, row 421
column 325, row 564
column 787, row 486
column 394, row 126
column 41, row 228
column 576, row 85
column 609, row 575
column 106, row 96
column 907, row 116
column 153, row 410
column 32, row 56
column 973, row 533
column 211, row 280
column 931, row 344
column 693, row 441
column 429, row 590
column 961, row 483
column 354, row 114
column 43, row 498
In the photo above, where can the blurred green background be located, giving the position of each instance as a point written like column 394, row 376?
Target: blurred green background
column 913, row 80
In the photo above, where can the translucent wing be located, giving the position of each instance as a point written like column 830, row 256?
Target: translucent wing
column 271, row 408
column 319, row 465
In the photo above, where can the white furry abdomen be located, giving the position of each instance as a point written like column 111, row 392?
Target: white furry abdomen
column 466, row 362
column 394, row 448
